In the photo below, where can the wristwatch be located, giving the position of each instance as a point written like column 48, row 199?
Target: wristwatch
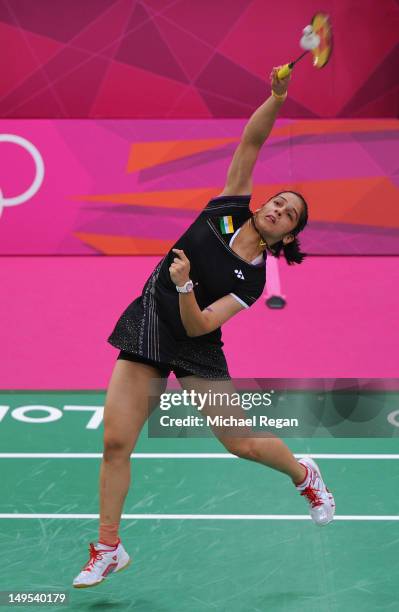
column 186, row 288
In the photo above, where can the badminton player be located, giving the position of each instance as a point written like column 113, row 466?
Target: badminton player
column 216, row 269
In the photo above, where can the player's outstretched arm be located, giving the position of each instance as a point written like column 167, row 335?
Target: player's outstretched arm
column 257, row 130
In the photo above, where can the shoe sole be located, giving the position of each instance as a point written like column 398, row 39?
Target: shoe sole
column 87, row 586
column 316, row 468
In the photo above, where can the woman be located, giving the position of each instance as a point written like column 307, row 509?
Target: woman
column 216, row 269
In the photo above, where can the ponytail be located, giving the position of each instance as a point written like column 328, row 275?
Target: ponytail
column 292, row 251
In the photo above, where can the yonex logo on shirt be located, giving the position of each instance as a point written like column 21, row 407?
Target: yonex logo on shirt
column 239, row 274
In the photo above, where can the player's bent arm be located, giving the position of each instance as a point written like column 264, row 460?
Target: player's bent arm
column 198, row 322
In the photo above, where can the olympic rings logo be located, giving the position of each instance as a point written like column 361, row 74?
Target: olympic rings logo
column 37, row 181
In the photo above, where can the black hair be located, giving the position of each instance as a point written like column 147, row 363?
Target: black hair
column 292, row 250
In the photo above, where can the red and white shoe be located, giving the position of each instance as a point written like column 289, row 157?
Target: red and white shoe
column 103, row 561
column 321, row 500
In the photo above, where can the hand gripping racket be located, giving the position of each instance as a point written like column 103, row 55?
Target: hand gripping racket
column 316, row 38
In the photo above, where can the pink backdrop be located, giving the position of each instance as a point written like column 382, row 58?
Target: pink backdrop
column 57, row 312
column 132, row 187
column 192, row 58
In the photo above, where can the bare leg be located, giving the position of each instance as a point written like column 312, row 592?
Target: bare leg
column 126, row 410
column 270, row 451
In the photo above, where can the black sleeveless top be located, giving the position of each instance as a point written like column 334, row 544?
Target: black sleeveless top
column 151, row 325
column 215, row 268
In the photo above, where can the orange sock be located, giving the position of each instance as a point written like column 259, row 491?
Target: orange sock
column 108, row 533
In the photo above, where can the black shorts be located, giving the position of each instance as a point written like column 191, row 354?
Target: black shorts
column 163, row 368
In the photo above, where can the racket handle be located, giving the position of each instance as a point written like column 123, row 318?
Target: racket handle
column 284, row 71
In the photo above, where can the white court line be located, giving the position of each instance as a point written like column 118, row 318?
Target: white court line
column 191, row 455
column 206, row 517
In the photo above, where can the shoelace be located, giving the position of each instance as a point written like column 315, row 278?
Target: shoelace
column 313, row 496
column 95, row 555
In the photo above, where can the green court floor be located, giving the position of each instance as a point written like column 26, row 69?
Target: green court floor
column 249, row 548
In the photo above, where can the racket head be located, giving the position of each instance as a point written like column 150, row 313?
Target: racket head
column 321, row 26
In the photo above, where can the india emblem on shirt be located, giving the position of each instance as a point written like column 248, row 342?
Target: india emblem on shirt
column 226, row 224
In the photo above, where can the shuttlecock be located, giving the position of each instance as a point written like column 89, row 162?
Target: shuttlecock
column 309, row 40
